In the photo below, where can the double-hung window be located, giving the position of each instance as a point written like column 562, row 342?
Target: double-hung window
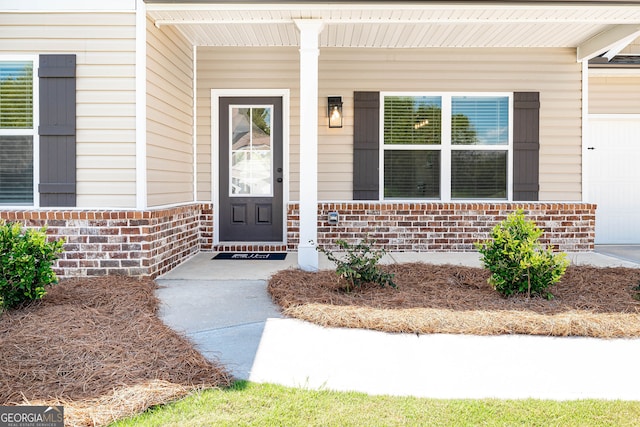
column 446, row 146
column 18, row 132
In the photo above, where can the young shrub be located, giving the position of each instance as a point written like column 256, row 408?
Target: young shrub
column 636, row 289
column 517, row 261
column 360, row 264
column 26, row 259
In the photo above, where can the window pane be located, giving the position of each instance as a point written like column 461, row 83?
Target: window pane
column 261, row 128
column 412, row 119
column 16, row 95
column 16, row 170
column 480, row 120
column 479, row 174
column 251, row 143
column 412, row 174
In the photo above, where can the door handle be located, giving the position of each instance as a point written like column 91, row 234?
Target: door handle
column 278, row 179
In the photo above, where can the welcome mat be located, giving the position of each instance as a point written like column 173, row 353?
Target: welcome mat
column 267, row 256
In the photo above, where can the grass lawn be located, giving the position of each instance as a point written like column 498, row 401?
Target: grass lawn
column 269, row 405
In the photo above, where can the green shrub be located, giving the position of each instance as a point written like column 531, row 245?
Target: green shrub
column 26, row 259
column 517, row 261
column 360, row 264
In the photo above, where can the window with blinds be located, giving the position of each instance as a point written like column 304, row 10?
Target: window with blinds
column 412, row 120
column 446, row 146
column 17, row 132
column 412, row 174
column 479, row 120
column 478, row 174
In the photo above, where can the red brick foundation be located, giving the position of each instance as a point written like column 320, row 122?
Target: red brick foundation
column 152, row 242
column 445, row 227
column 112, row 242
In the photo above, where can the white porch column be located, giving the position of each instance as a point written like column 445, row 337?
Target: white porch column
column 309, row 33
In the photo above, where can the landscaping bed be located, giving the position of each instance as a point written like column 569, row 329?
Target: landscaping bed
column 588, row 301
column 97, row 347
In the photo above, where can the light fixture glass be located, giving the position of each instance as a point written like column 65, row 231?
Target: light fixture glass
column 334, row 110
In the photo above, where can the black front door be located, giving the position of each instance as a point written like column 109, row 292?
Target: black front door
column 251, row 169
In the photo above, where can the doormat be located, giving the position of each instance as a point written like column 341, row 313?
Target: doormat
column 267, row 256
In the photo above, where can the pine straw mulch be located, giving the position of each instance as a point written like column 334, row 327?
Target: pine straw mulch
column 97, row 347
column 589, row 301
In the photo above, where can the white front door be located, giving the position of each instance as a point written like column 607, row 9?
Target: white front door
column 614, row 177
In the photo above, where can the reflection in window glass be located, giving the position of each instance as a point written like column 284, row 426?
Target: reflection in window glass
column 412, row 174
column 412, row 120
column 16, row 170
column 478, row 174
column 251, row 156
column 16, row 95
column 17, row 133
column 480, row 120
column 472, row 154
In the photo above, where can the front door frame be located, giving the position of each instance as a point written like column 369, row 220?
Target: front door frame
column 216, row 94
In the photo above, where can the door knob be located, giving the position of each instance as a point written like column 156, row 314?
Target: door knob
column 278, row 179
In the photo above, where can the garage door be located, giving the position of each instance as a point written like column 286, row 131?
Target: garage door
column 613, row 169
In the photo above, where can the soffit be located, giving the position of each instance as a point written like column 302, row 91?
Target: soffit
column 395, row 25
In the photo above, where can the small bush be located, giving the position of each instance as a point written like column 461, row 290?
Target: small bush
column 26, row 259
column 636, row 289
column 517, row 261
column 360, row 265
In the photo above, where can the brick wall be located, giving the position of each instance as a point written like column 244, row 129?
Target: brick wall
column 445, row 227
column 152, row 242
column 110, row 242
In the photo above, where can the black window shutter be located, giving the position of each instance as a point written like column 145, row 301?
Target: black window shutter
column 366, row 145
column 57, row 130
column 526, row 145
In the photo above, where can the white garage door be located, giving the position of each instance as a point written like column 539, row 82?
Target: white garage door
column 613, row 169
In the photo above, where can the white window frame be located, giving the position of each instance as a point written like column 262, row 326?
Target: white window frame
column 446, row 147
column 34, row 59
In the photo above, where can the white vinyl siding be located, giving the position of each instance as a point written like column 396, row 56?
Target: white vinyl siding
column 552, row 72
column 614, row 95
column 104, row 45
column 169, row 117
column 245, row 68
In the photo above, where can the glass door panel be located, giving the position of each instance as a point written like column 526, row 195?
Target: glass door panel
column 251, row 144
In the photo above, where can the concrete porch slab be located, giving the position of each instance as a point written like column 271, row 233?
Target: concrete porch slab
column 203, row 267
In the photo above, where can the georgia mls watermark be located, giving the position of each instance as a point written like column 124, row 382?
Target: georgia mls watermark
column 31, row 416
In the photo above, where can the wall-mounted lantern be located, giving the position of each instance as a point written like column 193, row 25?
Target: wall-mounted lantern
column 334, row 111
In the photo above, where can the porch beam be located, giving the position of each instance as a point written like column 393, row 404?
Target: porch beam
column 620, row 35
column 310, row 30
column 379, row 21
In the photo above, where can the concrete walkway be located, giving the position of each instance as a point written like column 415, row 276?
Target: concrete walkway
column 223, row 307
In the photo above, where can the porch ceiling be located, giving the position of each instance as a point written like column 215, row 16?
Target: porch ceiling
column 399, row 25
